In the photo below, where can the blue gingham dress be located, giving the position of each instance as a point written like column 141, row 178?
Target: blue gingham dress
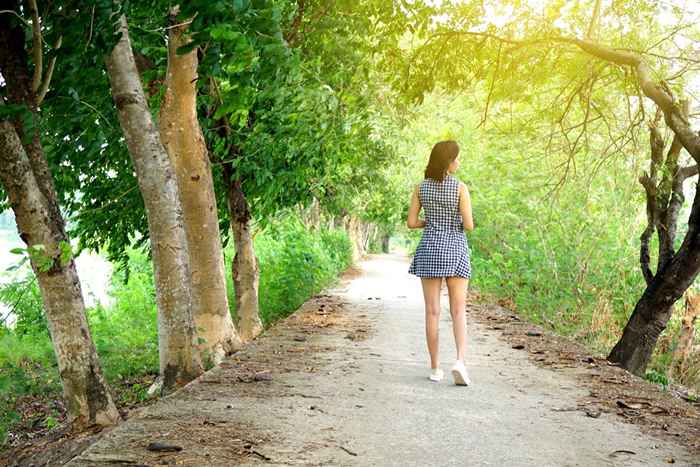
column 443, row 250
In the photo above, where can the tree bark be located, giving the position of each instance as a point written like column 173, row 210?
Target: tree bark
column 183, row 139
column 636, row 346
column 25, row 175
column 354, row 229
column 85, row 391
column 179, row 359
column 244, row 269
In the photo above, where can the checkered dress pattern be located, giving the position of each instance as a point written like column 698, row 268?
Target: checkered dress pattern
column 443, row 250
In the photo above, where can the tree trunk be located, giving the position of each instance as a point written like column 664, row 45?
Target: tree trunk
column 183, row 139
column 86, row 393
column 636, row 346
column 653, row 310
column 385, row 243
column 664, row 197
column 24, row 172
column 685, row 340
column 244, row 268
column 315, row 214
column 353, row 227
column 179, row 359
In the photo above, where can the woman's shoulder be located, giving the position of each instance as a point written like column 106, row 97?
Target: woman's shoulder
column 454, row 180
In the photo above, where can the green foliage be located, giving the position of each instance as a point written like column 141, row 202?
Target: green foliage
column 23, row 299
column 656, row 377
column 294, row 264
column 126, row 334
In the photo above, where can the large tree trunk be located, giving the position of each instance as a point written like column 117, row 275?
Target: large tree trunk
column 87, row 395
column 245, row 265
column 182, row 137
column 24, row 172
column 653, row 310
column 179, row 359
column 636, row 346
column 663, row 186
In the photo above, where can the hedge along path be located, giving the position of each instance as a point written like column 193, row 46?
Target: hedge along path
column 343, row 382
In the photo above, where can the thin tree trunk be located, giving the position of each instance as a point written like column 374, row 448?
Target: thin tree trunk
column 244, row 268
column 315, row 216
column 385, row 243
column 353, row 228
column 86, row 393
column 183, row 139
column 179, row 359
column 685, row 340
column 24, row 172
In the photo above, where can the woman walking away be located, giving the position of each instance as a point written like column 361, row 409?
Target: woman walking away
column 443, row 251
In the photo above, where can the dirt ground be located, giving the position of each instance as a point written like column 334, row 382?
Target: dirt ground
column 668, row 414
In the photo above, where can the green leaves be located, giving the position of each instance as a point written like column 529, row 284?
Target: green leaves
column 42, row 257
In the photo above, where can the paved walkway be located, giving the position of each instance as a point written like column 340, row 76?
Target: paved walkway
column 346, row 385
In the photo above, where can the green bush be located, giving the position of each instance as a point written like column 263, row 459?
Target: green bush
column 24, row 299
column 294, row 264
column 126, row 333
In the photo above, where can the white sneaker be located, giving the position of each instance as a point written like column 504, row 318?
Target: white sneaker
column 459, row 374
column 436, row 374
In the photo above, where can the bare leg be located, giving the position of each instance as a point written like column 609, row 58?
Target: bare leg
column 457, row 289
column 431, row 296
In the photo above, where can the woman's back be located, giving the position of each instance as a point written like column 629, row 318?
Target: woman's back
column 440, row 201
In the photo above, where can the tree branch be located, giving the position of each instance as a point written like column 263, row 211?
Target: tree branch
column 290, row 37
column 36, row 46
column 658, row 93
column 687, row 172
column 594, row 20
column 49, row 73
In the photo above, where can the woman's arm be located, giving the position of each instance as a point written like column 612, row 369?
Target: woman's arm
column 465, row 207
column 413, row 222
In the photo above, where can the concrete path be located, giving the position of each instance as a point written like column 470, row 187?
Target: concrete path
column 319, row 393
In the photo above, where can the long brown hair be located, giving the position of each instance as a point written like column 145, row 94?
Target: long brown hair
column 442, row 155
